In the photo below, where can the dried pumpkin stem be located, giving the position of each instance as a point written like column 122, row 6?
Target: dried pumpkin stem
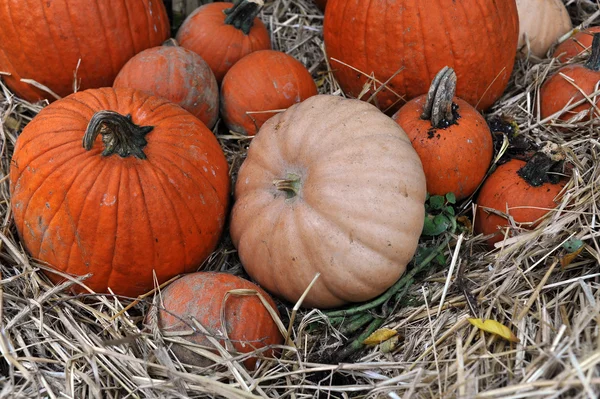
column 438, row 106
column 544, row 166
column 242, row 14
column 593, row 62
column 291, row 184
column 119, row 134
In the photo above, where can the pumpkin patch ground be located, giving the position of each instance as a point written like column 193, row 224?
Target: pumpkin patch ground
column 513, row 312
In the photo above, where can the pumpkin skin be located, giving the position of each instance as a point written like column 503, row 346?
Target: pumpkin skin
column 177, row 74
column 202, row 295
column 541, row 23
column 45, row 40
column 120, row 218
column 505, row 189
column 578, row 43
column 265, row 80
column 557, row 91
column 221, row 45
column 379, row 38
column 455, row 158
column 357, row 211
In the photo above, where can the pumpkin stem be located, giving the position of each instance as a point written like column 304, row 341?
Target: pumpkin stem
column 170, row 42
column 439, row 108
column 291, row 184
column 544, row 166
column 119, row 134
column 593, row 62
column 242, row 14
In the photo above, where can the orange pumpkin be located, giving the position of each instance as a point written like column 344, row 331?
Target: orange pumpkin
column 580, row 42
column 223, row 33
column 451, row 137
column 557, row 91
column 523, row 191
column 207, row 297
column 403, row 43
column 260, row 85
column 177, row 74
column 63, row 44
column 331, row 185
column 149, row 196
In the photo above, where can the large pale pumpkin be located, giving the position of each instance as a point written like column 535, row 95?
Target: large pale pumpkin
column 54, row 42
column 404, row 43
column 331, row 185
column 149, row 196
column 541, row 24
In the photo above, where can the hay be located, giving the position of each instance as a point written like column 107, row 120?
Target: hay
column 55, row 345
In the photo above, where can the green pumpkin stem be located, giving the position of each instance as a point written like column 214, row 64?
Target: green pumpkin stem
column 119, row 134
column 242, row 14
column 544, row 166
column 593, row 61
column 291, row 185
column 438, row 106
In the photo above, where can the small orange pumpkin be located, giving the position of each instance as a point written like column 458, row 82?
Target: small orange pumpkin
column 451, row 137
column 557, row 91
column 260, row 85
column 525, row 191
column 207, row 297
column 177, row 74
column 223, row 33
column 578, row 43
column 148, row 198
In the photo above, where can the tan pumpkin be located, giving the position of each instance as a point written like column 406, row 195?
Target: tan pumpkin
column 541, row 24
column 330, row 186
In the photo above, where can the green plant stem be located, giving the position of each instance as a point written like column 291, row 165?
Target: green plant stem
column 356, row 323
column 407, row 279
column 357, row 343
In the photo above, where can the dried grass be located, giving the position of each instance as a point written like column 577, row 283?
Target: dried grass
column 55, row 345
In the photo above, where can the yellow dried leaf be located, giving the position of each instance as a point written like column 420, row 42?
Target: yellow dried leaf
column 570, row 257
column 390, row 344
column 383, row 334
column 492, row 326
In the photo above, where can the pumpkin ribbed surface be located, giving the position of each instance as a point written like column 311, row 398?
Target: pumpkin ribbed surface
column 357, row 213
column 120, row 218
column 406, row 42
column 45, row 40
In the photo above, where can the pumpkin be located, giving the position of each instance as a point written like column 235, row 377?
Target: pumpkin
column 147, row 197
column 541, row 24
column 330, row 186
column 223, row 33
column 451, row 137
column 566, row 85
column 404, row 43
column 260, row 85
column 80, row 43
column 177, row 74
column 579, row 43
column 209, row 298
column 525, row 191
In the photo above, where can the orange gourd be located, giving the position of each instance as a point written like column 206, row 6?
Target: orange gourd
column 557, row 92
column 404, row 43
column 149, row 197
column 177, row 74
column 222, row 33
column 260, row 85
column 207, row 297
column 580, row 42
column 451, row 137
column 330, row 186
column 523, row 191
column 75, row 43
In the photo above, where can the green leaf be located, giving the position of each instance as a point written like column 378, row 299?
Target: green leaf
column 449, row 210
column 451, row 198
column 440, row 259
column 436, row 202
column 436, row 225
column 573, row 245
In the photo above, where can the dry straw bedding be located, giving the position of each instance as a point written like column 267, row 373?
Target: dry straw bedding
column 59, row 346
